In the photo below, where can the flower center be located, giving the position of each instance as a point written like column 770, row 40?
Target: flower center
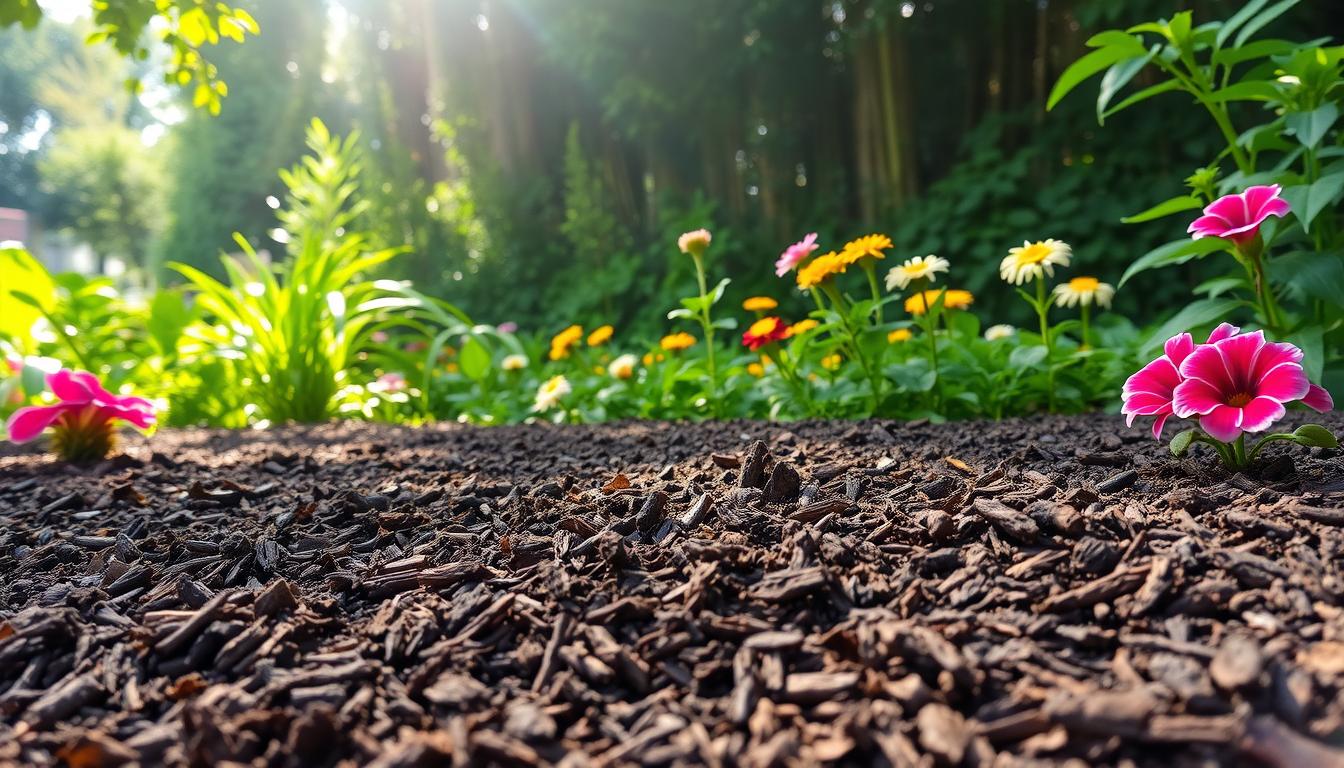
column 1240, row 400
column 762, row 327
column 1084, row 284
column 1033, row 254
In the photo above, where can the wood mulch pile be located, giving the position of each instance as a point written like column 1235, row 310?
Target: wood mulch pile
column 1043, row 592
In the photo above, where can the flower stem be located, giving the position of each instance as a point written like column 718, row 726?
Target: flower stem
column 842, row 309
column 1043, row 312
column 871, row 272
column 930, row 325
column 707, row 325
column 1239, row 452
column 1087, row 312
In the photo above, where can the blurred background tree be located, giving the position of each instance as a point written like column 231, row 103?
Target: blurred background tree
column 540, row 156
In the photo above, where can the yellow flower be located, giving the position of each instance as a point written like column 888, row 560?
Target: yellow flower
column 815, row 271
column 1084, row 290
column 802, row 326
column 899, row 335
column 676, row 342
column 622, row 367
column 759, row 304
column 550, row 392
column 600, row 336
column 451, row 367
column 918, row 268
column 564, row 341
column 1032, row 261
column 756, row 369
column 919, row 303
column 831, row 362
column 868, row 246
column 514, row 363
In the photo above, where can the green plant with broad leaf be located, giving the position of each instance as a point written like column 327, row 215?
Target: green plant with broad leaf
column 1276, row 104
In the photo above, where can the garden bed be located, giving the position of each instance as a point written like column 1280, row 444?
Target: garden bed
column 1047, row 589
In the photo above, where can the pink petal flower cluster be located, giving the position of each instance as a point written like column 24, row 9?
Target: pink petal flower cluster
column 1238, row 217
column 84, row 404
column 795, row 253
column 1233, row 383
column 694, row 242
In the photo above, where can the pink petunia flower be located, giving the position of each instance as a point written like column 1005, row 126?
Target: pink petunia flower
column 84, row 418
column 1238, row 217
column 1150, row 391
column 508, row 326
column 1241, row 383
column 795, row 253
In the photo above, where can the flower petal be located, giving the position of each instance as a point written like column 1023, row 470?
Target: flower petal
column 72, row 386
column 1318, row 399
column 1231, row 209
column 1195, row 397
column 1223, row 424
column 1260, row 413
column 1207, row 365
column 1284, row 383
column 1239, row 354
column 1159, row 377
column 27, row 423
column 1179, row 347
column 1158, row 424
column 1223, row 331
column 1272, row 356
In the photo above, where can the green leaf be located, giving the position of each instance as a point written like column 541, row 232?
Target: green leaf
column 1175, row 252
column 1239, row 18
column 1315, row 436
column 1198, row 313
column 1167, row 208
column 1114, row 38
column 1090, row 65
column 1312, row 273
column 717, row 292
column 1028, row 358
column 168, row 316
column 1180, row 442
column 1260, row 49
column 1216, row 286
column 1144, row 95
column 1308, row 200
column 22, row 274
column 474, row 359
column 1247, row 90
column 1116, row 78
column 681, row 314
column 1256, row 24
column 1311, row 127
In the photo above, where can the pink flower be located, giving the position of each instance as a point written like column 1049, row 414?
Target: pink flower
column 390, row 382
column 83, row 419
column 378, row 337
column 795, row 253
column 1238, row 217
column 1240, row 384
column 507, row 327
column 1150, row 391
column 694, row 242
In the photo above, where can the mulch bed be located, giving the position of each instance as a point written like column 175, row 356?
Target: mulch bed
column 1054, row 591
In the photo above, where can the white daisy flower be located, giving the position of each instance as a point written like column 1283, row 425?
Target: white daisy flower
column 1032, row 261
column 623, row 367
column 1085, row 291
column 900, row 277
column 1002, row 331
column 514, row 362
column 550, row 392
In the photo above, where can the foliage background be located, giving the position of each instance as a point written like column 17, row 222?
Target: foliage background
column 539, row 156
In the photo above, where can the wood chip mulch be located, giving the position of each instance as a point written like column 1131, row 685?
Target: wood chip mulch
column 1043, row 592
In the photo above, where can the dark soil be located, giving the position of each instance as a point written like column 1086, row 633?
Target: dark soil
column 1042, row 592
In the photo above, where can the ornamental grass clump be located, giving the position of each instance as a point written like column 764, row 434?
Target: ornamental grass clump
column 1232, row 385
column 83, row 422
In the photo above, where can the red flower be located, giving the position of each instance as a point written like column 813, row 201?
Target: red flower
column 765, row 331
